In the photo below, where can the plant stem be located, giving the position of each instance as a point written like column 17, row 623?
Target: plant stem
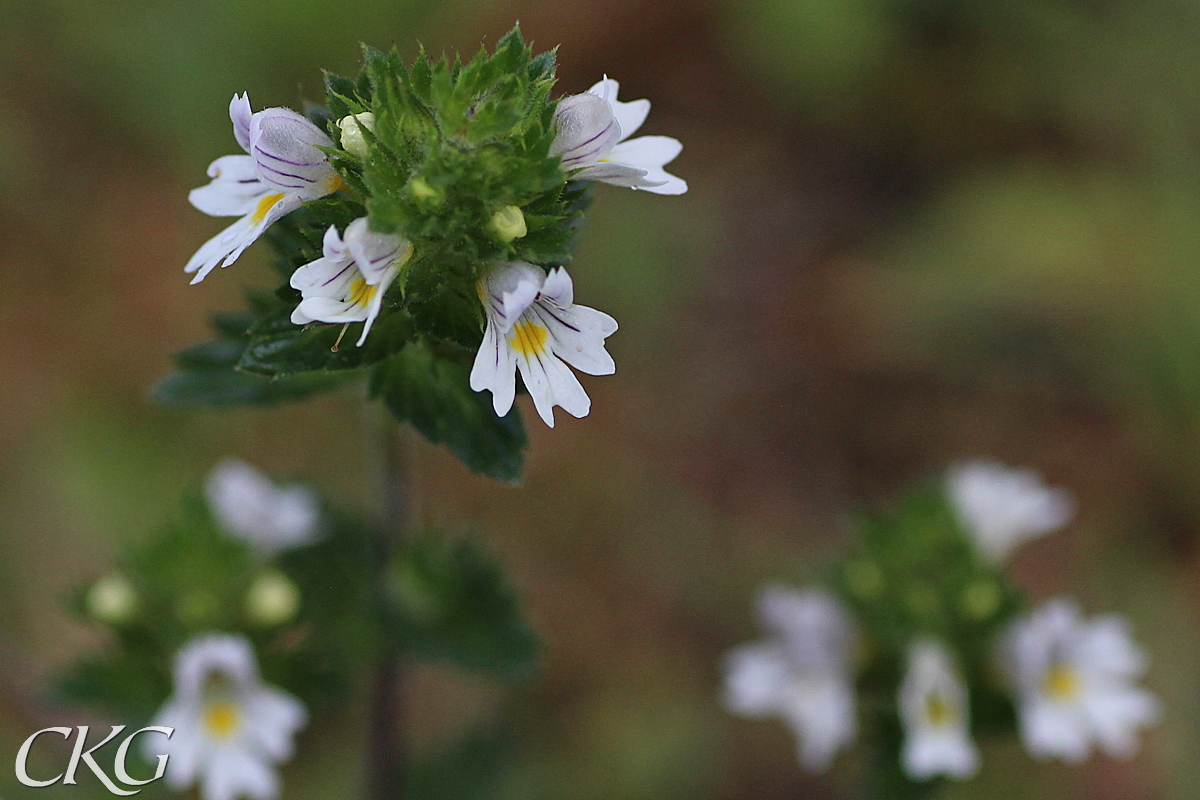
column 389, row 459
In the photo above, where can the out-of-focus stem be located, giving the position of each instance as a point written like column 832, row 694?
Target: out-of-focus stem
column 389, row 462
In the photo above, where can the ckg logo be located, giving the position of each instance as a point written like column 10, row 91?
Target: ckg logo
column 85, row 756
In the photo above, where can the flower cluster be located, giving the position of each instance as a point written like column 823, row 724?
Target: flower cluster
column 446, row 197
column 1073, row 680
column 213, row 592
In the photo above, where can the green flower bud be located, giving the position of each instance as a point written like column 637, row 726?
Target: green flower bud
column 112, row 599
column 273, row 599
column 353, row 141
column 509, row 223
column 980, row 600
column 420, row 189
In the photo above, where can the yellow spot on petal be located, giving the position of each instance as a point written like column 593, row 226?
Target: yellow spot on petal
column 264, row 205
column 939, row 713
column 221, row 719
column 361, row 292
column 529, row 338
column 334, row 183
column 1061, row 683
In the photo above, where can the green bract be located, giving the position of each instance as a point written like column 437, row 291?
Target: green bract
column 448, row 147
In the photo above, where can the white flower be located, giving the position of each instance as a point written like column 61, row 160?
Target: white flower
column 284, row 169
column 348, row 282
column 270, row 519
column 593, row 140
column 533, row 325
column 1002, row 508
column 230, row 728
column 801, row 674
column 933, row 708
column 1075, row 683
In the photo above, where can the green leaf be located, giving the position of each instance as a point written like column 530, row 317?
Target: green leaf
column 432, row 392
column 207, row 375
column 450, row 601
column 280, row 348
column 229, row 387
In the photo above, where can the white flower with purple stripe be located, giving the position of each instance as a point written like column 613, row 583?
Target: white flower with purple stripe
column 1002, row 508
column 348, row 282
column 534, row 326
column 803, row 673
column 593, row 140
column 230, row 728
column 283, row 170
column 933, row 709
column 1076, row 683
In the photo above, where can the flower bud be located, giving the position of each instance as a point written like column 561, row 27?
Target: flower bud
column 353, row 141
column 509, row 223
column 981, row 599
column 272, row 600
column 111, row 599
column 420, row 189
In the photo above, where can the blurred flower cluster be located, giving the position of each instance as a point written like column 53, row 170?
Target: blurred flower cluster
column 923, row 640
column 434, row 205
column 259, row 605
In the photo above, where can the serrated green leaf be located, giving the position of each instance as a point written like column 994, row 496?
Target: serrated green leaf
column 279, row 348
column 432, row 392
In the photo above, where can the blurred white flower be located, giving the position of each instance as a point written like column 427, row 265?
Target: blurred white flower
column 348, row 282
column 284, row 169
column 933, row 708
column 112, row 599
column 230, row 728
column 534, row 326
column 1074, row 680
column 250, row 507
column 1002, row 508
column 593, row 140
column 802, row 673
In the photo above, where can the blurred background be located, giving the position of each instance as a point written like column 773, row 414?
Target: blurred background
column 918, row 231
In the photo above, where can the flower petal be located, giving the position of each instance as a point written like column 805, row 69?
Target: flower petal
column 509, row 290
column 756, row 678
column 234, row 774
column 226, row 246
column 376, row 303
column 239, row 113
column 495, row 370
column 273, row 717
column 629, row 116
column 651, row 153
column 284, row 146
column 373, row 252
column 587, row 130
column 550, row 382
column 613, row 174
column 577, row 336
column 234, row 190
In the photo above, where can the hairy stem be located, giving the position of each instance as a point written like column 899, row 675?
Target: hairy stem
column 393, row 517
